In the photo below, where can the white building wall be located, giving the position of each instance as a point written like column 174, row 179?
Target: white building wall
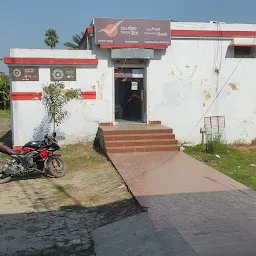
column 183, row 84
column 29, row 116
column 181, row 87
column 222, row 26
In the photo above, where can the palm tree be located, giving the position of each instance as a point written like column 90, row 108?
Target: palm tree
column 52, row 38
column 76, row 41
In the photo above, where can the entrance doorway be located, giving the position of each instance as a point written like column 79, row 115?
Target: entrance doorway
column 129, row 95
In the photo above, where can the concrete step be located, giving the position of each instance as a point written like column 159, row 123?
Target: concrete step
column 167, row 136
column 127, row 143
column 130, row 149
column 138, row 131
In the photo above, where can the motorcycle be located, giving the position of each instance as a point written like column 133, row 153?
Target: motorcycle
column 35, row 156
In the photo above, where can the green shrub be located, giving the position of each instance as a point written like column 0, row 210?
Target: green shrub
column 4, row 92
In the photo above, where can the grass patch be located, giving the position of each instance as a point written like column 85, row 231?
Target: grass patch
column 215, row 147
column 5, row 122
column 63, row 188
column 82, row 156
column 5, row 114
column 5, row 126
column 238, row 163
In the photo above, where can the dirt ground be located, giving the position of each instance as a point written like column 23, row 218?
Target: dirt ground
column 46, row 216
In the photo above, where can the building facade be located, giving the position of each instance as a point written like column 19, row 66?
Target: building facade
column 142, row 71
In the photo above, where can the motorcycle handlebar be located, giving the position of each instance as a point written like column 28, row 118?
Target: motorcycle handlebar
column 49, row 139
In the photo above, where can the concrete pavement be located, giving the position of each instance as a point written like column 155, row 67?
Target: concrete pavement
column 137, row 236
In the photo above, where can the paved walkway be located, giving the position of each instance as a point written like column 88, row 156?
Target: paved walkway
column 214, row 214
column 137, row 236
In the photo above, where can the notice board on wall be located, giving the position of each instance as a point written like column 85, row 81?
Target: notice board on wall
column 24, row 73
column 63, row 73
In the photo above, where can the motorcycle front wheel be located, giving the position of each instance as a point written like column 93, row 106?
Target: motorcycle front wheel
column 56, row 166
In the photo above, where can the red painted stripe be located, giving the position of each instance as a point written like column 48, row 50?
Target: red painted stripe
column 38, row 95
column 207, row 33
column 140, row 46
column 26, row 95
column 186, row 32
column 89, row 95
column 212, row 33
column 50, row 61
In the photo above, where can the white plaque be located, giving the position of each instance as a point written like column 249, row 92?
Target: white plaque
column 134, row 86
column 137, row 73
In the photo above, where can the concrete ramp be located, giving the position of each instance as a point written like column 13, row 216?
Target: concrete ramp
column 214, row 214
column 161, row 173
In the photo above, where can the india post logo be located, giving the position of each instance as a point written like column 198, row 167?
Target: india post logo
column 111, row 30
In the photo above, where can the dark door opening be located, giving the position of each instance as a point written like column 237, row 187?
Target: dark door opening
column 129, row 98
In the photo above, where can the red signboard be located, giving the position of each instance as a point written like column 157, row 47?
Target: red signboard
column 132, row 31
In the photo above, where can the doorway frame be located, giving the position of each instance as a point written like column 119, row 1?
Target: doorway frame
column 145, row 88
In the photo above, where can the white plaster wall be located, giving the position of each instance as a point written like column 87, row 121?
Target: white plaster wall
column 84, row 115
column 49, row 53
column 182, row 85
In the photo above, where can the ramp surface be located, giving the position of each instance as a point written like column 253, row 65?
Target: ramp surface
column 214, row 214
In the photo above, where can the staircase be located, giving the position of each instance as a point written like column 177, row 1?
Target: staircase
column 137, row 138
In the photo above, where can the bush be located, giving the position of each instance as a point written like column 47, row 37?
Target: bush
column 55, row 97
column 216, row 146
column 4, row 92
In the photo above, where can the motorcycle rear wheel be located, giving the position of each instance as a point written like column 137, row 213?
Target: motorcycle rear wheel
column 56, row 166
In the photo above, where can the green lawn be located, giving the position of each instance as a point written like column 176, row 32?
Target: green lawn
column 5, row 121
column 238, row 163
column 5, row 114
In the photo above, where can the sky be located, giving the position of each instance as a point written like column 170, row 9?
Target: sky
column 23, row 22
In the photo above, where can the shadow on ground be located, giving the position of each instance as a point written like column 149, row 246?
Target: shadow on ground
column 65, row 231
column 7, row 139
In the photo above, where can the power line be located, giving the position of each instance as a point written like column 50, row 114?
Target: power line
column 214, row 99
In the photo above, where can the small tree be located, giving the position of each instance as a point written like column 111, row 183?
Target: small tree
column 52, row 38
column 4, row 91
column 55, row 97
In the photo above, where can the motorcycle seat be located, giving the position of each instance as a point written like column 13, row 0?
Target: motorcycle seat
column 9, row 151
